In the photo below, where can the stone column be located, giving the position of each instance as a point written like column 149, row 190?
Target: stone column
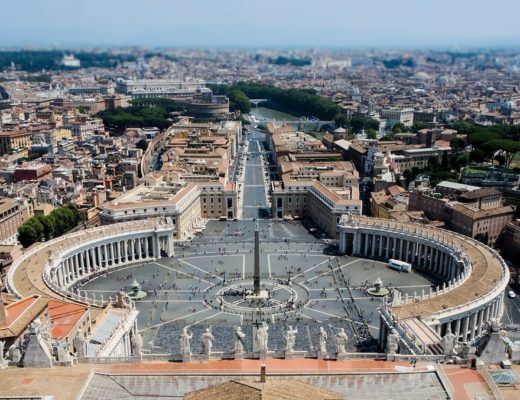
column 99, row 259
column 172, row 246
column 380, row 241
column 125, row 250
column 473, row 326
column 58, row 275
column 132, row 253
column 436, row 257
column 442, row 260
column 500, row 306
column 157, row 239
column 373, row 240
column 87, row 260
column 479, row 323
column 465, row 325
column 146, row 254
column 65, row 271
column 457, row 329
column 113, row 247
column 82, row 263
column 76, row 266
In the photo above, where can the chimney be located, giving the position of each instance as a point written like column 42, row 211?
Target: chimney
column 262, row 373
column 3, row 311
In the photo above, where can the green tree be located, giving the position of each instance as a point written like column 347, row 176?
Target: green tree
column 359, row 122
column 30, row 232
column 39, row 227
column 238, row 101
column 399, row 128
column 417, row 126
column 341, row 119
column 142, row 144
column 371, row 134
column 457, row 144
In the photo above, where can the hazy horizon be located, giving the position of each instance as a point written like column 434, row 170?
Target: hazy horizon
column 331, row 24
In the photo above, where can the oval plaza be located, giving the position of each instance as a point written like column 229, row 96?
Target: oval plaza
column 473, row 276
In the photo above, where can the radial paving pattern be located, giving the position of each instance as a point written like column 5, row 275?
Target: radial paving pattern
column 202, row 287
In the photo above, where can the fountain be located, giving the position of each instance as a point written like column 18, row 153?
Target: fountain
column 136, row 293
column 377, row 290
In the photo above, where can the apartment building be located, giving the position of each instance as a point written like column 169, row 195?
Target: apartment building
column 12, row 140
column 321, row 191
column 477, row 213
column 187, row 205
column 395, row 116
column 12, row 215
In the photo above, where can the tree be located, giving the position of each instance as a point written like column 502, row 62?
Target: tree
column 399, row 128
column 417, row 126
column 30, row 232
column 238, row 101
column 39, row 227
column 360, row 122
column 371, row 134
column 341, row 119
column 507, row 148
column 142, row 144
column 457, row 144
column 477, row 155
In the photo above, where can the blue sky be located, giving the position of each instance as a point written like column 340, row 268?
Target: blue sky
column 266, row 23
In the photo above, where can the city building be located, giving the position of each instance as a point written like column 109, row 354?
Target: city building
column 150, row 88
column 476, row 213
column 13, row 140
column 403, row 116
column 13, row 213
column 186, row 205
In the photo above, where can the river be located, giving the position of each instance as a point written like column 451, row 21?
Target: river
column 263, row 113
column 268, row 113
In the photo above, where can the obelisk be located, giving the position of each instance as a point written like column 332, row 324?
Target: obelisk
column 256, row 273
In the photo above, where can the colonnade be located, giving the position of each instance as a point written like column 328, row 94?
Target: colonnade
column 435, row 257
column 433, row 252
column 80, row 262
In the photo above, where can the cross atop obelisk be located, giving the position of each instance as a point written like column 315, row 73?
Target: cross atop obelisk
column 256, row 273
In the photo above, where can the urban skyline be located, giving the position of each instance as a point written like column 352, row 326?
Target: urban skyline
column 192, row 193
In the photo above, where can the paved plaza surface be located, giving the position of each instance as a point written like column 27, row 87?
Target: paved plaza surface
column 311, row 287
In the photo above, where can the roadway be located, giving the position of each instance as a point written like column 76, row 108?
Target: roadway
column 254, row 179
